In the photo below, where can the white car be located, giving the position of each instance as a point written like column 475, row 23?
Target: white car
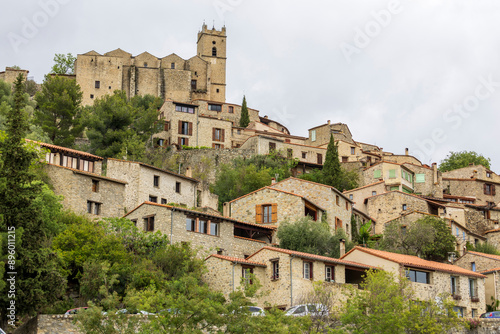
column 255, row 311
column 313, row 310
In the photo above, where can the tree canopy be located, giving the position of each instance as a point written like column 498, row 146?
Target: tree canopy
column 59, row 110
column 456, row 160
column 64, row 64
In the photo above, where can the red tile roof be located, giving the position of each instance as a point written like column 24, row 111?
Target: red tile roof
column 315, row 257
column 491, row 256
column 492, row 231
column 159, row 169
column 416, row 262
column 237, row 260
column 65, row 149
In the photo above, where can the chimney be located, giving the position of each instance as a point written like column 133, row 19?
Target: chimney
column 328, row 122
column 225, row 209
column 273, row 181
column 434, row 173
column 266, row 117
column 406, row 151
column 189, row 172
column 342, row 247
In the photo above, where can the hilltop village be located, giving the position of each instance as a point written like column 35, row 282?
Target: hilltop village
column 241, row 239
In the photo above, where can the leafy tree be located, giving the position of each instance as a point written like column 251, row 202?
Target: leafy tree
column 387, row 304
column 59, row 110
column 305, row 235
column 428, row 237
column 117, row 127
column 483, row 247
column 244, row 117
column 456, row 160
column 64, row 64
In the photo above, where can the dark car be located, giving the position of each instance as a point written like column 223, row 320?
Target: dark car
column 494, row 314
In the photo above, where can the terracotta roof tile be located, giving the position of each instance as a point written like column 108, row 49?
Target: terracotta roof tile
column 492, row 231
column 416, row 262
column 65, row 149
column 491, row 256
column 368, row 185
column 236, row 260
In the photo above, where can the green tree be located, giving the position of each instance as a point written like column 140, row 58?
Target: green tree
column 388, row 304
column 59, row 110
column 244, row 117
column 64, row 64
column 456, row 160
column 483, row 247
column 428, row 237
column 305, row 235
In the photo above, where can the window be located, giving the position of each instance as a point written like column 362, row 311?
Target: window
column 93, row 207
column 307, row 270
column 272, row 147
column 353, row 150
column 351, row 197
column 163, row 201
column 230, row 109
column 217, row 134
column 457, row 232
column 217, row 145
column 247, row 274
column 145, row 64
column 374, row 193
column 338, row 223
column 320, row 158
column 214, row 229
column 489, row 189
column 202, row 226
column 473, row 288
column 184, row 108
column 153, row 199
column 337, row 199
column 473, row 266
column 217, row 90
column 313, row 135
column 215, row 107
column 97, row 84
column 418, row 276
column 304, row 155
column 95, row 186
column 463, row 235
column 377, row 174
column 453, row 283
column 178, row 187
column 419, row 178
column 347, row 207
column 329, row 274
column 214, row 52
column 474, row 313
column 193, row 84
column 156, row 181
column 149, row 224
column 190, row 224
column 405, row 207
column 172, row 65
column 185, row 128
column 166, row 126
column 267, row 213
column 276, row 269
column 459, row 310
column 91, row 96
column 488, row 174
column 392, row 173
column 183, row 141
column 160, row 142
column 289, row 153
column 345, row 159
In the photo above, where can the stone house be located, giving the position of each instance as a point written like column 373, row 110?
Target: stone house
column 358, row 195
column 493, row 237
column 337, row 206
column 430, row 280
column 170, row 77
column 478, row 172
column 402, row 158
column 396, row 176
column 149, row 183
column 10, row 74
column 482, row 190
column 320, row 135
column 209, row 233
column 428, row 180
column 286, row 276
column 272, row 206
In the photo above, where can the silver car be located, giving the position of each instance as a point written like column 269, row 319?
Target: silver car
column 313, row 310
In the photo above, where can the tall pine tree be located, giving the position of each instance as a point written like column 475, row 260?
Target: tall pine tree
column 245, row 117
column 332, row 171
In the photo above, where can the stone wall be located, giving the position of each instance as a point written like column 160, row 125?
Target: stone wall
column 77, row 188
column 476, row 171
column 10, row 74
column 433, row 185
column 358, row 195
column 52, row 324
column 494, row 239
column 470, row 187
column 483, row 262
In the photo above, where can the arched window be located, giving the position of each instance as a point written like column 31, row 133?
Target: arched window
column 214, row 52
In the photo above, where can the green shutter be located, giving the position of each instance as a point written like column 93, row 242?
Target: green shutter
column 377, row 174
column 420, row 178
column 406, row 190
column 392, row 173
column 394, row 188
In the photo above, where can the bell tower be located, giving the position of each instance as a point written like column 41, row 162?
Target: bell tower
column 211, row 47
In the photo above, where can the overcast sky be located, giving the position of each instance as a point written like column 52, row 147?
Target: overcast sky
column 418, row 74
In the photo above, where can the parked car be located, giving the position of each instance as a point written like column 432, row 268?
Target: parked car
column 494, row 314
column 255, row 311
column 313, row 310
column 125, row 311
column 74, row 311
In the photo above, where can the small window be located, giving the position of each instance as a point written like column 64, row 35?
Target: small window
column 347, row 208
column 418, row 276
column 473, row 266
column 166, row 126
column 193, row 84
column 95, row 186
column 374, row 193
column 453, row 283
column 163, row 201
column 172, row 65
column 215, row 107
column 160, row 142
column 272, row 147
column 97, row 208
column 217, row 90
column 145, row 64
column 337, row 199
column 190, row 224
column 230, row 109
column 329, row 274
column 214, row 52
column 351, row 197
column 178, row 187
column 404, row 207
column 184, row 128
column 93, row 207
column 183, row 108
column 304, row 155
column 313, row 135
column 97, row 84
column 202, row 226
column 183, row 141
column 149, row 224
column 217, row 134
column 473, row 288
column 109, row 87
column 307, row 270
column 488, row 174
column 214, row 228
column 89, row 207
column 474, row 313
column 276, row 270
column 153, row 199
column 289, row 153
column 91, row 96
column 377, row 174
column 353, row 150
column 247, row 274
column 267, row 213
column 319, row 158
column 156, row 181
column 345, row 159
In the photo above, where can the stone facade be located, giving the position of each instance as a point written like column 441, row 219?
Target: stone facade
column 484, row 192
column 396, row 176
column 494, row 238
column 320, row 135
column 358, row 195
column 338, row 207
column 439, row 277
column 480, row 261
column 473, row 172
column 221, row 235
column 170, row 77
column 10, row 74
column 428, row 180
column 402, row 159
column 148, row 183
column 49, row 324
column 280, row 205
column 88, row 193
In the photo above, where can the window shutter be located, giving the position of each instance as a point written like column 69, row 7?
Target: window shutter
column 190, row 128
column 213, row 133
column 258, row 214
column 274, row 213
column 180, row 127
column 392, row 173
column 222, row 146
column 311, row 271
column 222, row 134
column 493, row 189
column 376, row 173
column 187, row 141
column 179, row 142
column 484, row 189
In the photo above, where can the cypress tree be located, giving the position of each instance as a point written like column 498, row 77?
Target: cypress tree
column 244, row 118
column 332, row 171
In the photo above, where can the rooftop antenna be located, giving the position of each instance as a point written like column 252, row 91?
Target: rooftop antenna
column 213, row 24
